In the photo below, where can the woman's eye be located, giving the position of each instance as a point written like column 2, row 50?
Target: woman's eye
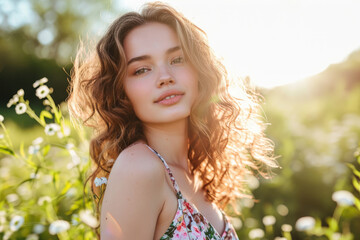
column 141, row 71
column 177, row 60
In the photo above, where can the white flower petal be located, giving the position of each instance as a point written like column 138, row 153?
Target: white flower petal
column 97, row 182
column 1, row 118
column 89, row 219
column 286, row 228
column 42, row 91
column 38, row 141
column 20, row 92
column 16, row 223
column 38, row 228
column 58, row 226
column 343, row 198
column 32, row 236
column 269, row 220
column 20, row 108
column 52, row 128
column 256, row 233
column 305, row 223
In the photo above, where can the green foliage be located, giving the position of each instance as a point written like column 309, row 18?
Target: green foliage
column 42, row 194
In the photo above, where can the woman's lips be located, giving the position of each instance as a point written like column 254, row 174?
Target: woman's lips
column 170, row 100
column 169, row 97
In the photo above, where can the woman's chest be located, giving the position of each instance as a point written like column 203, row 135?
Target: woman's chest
column 193, row 194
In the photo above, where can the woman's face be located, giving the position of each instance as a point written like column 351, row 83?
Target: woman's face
column 160, row 84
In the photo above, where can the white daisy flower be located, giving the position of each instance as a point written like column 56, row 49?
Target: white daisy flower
column 52, row 128
column 74, row 157
column 256, row 233
column 33, row 149
column 38, row 228
column 32, row 236
column 44, row 199
column 58, row 226
column 89, row 219
column 20, row 92
column 305, row 223
column 269, row 220
column 343, row 198
column 16, row 223
column 97, row 182
column 1, row 118
column 38, row 141
column 282, row 210
column 42, row 91
column 20, row 108
column 103, row 180
column 286, row 228
column 40, row 81
column 1, row 136
column 12, row 197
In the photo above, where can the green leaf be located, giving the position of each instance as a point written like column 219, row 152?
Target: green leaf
column 357, row 203
column 22, row 150
column 356, row 184
column 46, row 150
column 45, row 114
column 333, row 225
column 66, row 188
column 354, row 170
column 6, row 150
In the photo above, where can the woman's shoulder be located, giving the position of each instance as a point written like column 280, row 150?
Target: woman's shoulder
column 137, row 160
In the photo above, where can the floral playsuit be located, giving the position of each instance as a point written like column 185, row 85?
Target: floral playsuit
column 188, row 223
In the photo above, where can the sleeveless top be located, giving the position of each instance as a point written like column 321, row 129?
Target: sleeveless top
column 188, row 223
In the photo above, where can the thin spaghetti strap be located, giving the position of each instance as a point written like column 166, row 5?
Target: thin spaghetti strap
column 176, row 187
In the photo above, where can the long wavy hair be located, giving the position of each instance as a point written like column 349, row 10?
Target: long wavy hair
column 226, row 132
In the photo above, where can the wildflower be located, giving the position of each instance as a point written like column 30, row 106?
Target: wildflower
column 44, row 199
column 34, row 176
column 7, row 235
column 33, row 149
column 253, row 182
column 103, row 180
column 42, row 91
column 305, row 223
column 58, row 226
column 100, row 181
column 39, row 82
column 269, row 220
column 280, row 238
column 336, row 236
column 38, row 228
column 256, row 233
column 12, row 197
column 20, row 108
column 97, row 182
column 1, row 118
column 282, row 210
column 69, row 146
column 75, row 219
column 32, row 237
column 343, row 198
column 46, row 102
column 236, row 222
column 1, row 136
column 38, row 141
column 16, row 223
column 51, row 129
column 286, row 228
column 20, row 92
column 15, row 98
column 87, row 218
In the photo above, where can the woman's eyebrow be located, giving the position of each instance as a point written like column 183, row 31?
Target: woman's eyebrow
column 146, row 57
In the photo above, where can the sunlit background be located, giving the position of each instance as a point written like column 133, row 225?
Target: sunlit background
column 303, row 56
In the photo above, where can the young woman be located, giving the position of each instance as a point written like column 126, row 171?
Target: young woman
column 158, row 99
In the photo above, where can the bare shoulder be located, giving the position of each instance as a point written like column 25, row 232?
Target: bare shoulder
column 138, row 159
column 135, row 190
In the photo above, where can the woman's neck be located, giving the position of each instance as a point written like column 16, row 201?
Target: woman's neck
column 170, row 140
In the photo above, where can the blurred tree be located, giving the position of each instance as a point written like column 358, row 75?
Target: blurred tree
column 39, row 37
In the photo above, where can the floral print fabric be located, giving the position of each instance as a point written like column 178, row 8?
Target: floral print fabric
column 188, row 223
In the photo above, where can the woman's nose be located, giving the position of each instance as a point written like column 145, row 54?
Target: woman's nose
column 165, row 77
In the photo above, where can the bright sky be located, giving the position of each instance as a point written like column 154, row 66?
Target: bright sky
column 275, row 41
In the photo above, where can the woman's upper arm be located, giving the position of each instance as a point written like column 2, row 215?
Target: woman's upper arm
column 133, row 198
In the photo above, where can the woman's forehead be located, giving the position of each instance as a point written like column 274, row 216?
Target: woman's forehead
column 149, row 39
